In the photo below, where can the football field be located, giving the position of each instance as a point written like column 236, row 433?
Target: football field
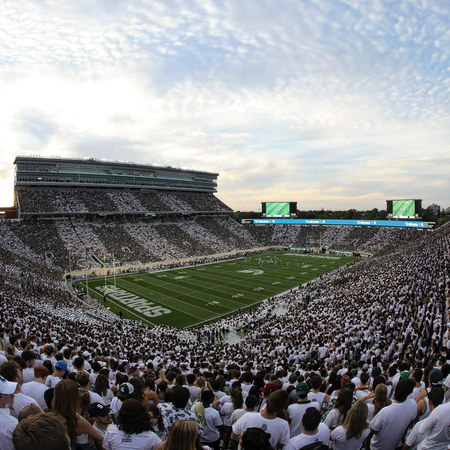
column 194, row 295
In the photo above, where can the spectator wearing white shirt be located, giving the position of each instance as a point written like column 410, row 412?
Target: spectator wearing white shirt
column 57, row 375
column 7, row 422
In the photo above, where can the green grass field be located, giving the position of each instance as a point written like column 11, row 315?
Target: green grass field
column 192, row 295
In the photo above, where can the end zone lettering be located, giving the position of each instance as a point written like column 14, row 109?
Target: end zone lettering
column 133, row 301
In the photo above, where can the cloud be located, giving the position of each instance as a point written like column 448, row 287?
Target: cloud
column 282, row 98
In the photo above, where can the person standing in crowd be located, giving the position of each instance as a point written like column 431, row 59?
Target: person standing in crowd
column 313, row 431
column 132, row 430
column 8, row 423
column 67, row 403
column 250, row 407
column 36, row 389
column 57, row 375
column 10, row 370
column 415, row 436
column 355, row 429
column 183, row 435
column 294, row 413
column 177, row 408
column 101, row 415
column 210, row 418
column 436, row 429
column 389, row 425
column 159, row 424
column 267, row 419
column 41, row 432
column 337, row 414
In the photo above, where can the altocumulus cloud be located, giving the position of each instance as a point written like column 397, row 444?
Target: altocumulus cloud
column 335, row 104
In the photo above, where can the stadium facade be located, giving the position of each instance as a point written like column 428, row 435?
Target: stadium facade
column 52, row 176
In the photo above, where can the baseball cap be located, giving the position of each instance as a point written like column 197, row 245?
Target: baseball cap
column 404, row 374
column 269, row 387
column 436, row 378
column 98, row 410
column 7, row 387
column 49, row 349
column 61, row 365
column 125, row 390
column 302, row 388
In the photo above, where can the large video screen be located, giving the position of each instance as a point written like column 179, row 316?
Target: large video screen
column 278, row 209
column 404, row 209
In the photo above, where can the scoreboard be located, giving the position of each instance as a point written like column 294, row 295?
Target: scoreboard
column 279, row 209
column 404, row 209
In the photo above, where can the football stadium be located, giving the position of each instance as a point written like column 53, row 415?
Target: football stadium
column 136, row 276
column 224, row 225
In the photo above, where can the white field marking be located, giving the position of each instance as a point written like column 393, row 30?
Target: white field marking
column 252, row 271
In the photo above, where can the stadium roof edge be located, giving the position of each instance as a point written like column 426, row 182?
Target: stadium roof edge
column 93, row 161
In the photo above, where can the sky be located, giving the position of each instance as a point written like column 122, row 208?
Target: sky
column 334, row 104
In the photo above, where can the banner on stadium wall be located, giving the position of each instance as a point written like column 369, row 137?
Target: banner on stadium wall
column 365, row 223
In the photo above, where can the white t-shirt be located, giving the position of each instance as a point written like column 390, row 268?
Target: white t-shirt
column 116, row 404
column 238, row 413
column 7, row 426
column 20, row 401
column 210, row 432
column 390, row 424
column 295, row 413
column 51, row 381
column 334, row 419
column 415, row 437
column 317, row 397
column 116, row 439
column 194, row 390
column 226, row 411
column 417, row 390
column 340, row 442
column 35, row 390
column 278, row 428
column 436, row 427
column 297, row 442
column 27, row 375
column 108, row 398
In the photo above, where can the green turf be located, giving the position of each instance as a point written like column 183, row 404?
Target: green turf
column 194, row 295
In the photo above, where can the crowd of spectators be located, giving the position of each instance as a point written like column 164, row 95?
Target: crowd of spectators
column 358, row 355
column 119, row 201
